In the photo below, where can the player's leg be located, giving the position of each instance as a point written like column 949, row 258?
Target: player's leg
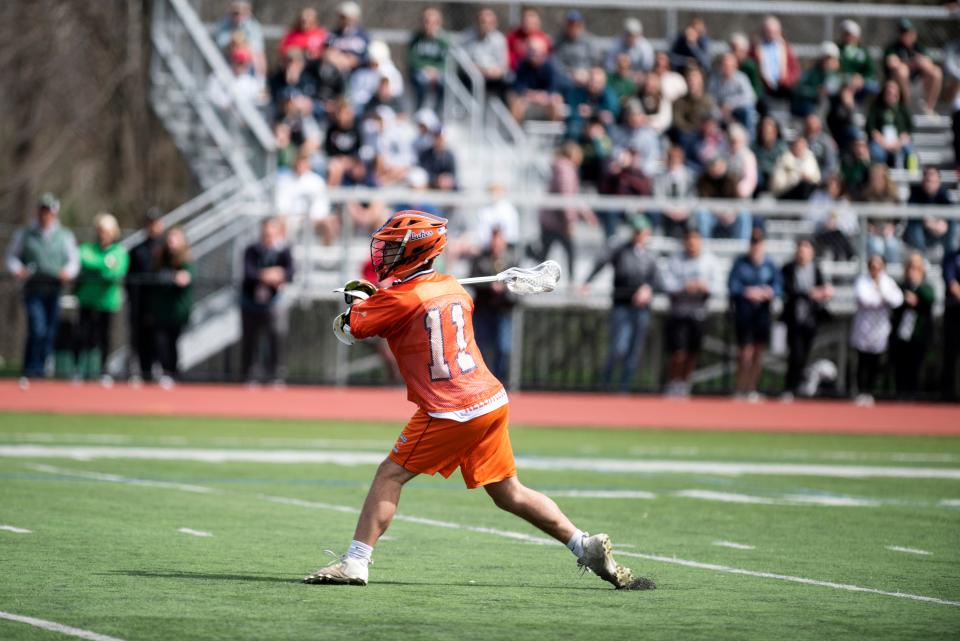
column 532, row 506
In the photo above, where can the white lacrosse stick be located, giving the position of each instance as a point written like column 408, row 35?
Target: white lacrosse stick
column 536, row 280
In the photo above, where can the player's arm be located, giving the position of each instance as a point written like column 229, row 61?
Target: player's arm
column 353, row 291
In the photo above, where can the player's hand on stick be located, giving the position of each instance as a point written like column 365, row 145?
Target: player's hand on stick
column 357, row 289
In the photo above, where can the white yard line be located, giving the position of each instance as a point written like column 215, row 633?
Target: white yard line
column 522, row 536
column 113, row 478
column 724, row 497
column 949, row 503
column 186, row 530
column 602, row 494
column 788, row 499
column 897, row 548
column 604, row 465
column 732, row 545
column 52, row 626
column 15, row 530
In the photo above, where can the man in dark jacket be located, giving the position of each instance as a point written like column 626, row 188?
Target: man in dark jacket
column 492, row 319
column 267, row 268
column 805, row 293
column 951, row 325
column 926, row 232
column 142, row 265
column 635, row 278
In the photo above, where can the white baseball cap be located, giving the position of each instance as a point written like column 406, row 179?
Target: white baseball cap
column 633, row 26
column 851, row 27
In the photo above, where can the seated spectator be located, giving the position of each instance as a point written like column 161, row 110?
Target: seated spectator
column 768, row 148
column 537, row 85
column 329, row 82
column 740, row 48
column 439, row 163
column 712, row 142
column 296, row 112
column 427, row 125
column 631, row 43
column 348, row 42
column 486, row 47
column 911, row 328
column 557, row 225
column 742, row 163
column 906, row 59
column 855, row 166
column 636, row 278
column 170, row 302
column 637, row 134
column 659, row 110
column 818, row 83
column 267, row 269
column 776, row 61
column 306, row 34
column 574, row 50
column 951, row 64
column 301, row 201
column 876, row 294
column 99, row 291
column 690, row 279
column 672, row 84
column 835, row 222
column 676, row 181
column 881, row 233
column 622, row 79
column 597, row 146
column 418, row 180
column 286, row 150
column 499, row 214
column 929, row 231
column 951, row 321
column 753, row 284
column 690, row 111
column 717, row 182
column 383, row 97
column 856, row 63
column 342, row 143
column 519, row 39
column 427, row 56
column 733, row 93
column 366, row 80
column 390, row 137
column 292, row 77
column 890, row 127
column 592, row 100
column 692, row 46
column 805, row 294
column 841, row 118
column 240, row 19
column 492, row 317
column 796, row 174
column 623, row 176
column 244, row 85
column 43, row 257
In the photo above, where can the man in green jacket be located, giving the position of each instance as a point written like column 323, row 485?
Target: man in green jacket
column 427, row 56
column 856, row 65
column 43, row 257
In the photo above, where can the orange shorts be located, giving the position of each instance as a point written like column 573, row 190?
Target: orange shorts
column 479, row 447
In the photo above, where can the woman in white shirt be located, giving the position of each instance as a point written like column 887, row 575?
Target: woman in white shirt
column 876, row 294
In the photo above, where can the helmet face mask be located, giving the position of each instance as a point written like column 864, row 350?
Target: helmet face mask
column 406, row 242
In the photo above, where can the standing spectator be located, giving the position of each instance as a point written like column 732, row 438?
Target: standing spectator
column 881, row 233
column 348, row 42
column 631, row 43
column 690, row 280
column 518, row 40
column 821, row 145
column 929, row 231
column 427, row 57
column 818, row 83
column 717, row 182
column 267, row 269
column 753, row 284
column 876, row 295
column 537, row 84
column 492, row 317
column 778, row 64
column 574, row 50
column 306, row 34
column 906, row 60
column 635, row 279
column 740, row 48
column 912, row 328
column 805, row 294
column 951, row 326
column 890, row 127
column 856, row 63
column 733, row 93
column 676, row 182
column 796, row 174
column 301, row 195
column 486, row 47
column 768, row 148
column 692, row 46
column 170, row 302
column 99, row 291
column 240, row 20
column 594, row 99
column 140, row 283
column 690, row 112
column 43, row 257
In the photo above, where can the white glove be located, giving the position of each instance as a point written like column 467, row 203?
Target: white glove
column 341, row 328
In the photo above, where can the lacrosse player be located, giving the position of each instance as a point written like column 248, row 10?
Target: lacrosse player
column 463, row 411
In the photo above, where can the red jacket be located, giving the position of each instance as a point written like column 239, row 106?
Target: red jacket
column 789, row 73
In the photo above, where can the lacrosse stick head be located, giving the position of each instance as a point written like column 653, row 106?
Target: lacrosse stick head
column 535, row 280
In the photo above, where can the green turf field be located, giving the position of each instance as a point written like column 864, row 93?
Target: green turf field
column 105, row 552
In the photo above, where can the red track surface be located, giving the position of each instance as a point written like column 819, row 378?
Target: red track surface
column 527, row 408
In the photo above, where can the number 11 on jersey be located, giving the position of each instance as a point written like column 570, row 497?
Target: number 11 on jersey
column 439, row 368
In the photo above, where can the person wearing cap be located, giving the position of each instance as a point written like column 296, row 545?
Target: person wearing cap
column 691, row 46
column 818, row 83
column 43, row 257
column 240, row 20
column 632, row 43
column 856, row 64
column 518, row 39
column 427, row 57
column 574, row 50
column 306, row 34
column 636, row 278
column 366, row 81
column 349, row 41
column 776, row 60
column 139, row 283
column 906, row 59
column 486, row 47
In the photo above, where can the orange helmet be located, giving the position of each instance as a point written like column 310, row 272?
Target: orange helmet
column 408, row 240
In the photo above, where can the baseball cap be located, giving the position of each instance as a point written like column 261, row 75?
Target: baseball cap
column 829, row 49
column 633, row 26
column 906, row 25
column 349, row 9
column 48, row 201
column 574, row 16
column 851, row 27
column 153, row 214
column 640, row 222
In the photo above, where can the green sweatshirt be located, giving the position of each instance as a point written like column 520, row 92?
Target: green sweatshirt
column 167, row 303
column 100, row 282
column 428, row 52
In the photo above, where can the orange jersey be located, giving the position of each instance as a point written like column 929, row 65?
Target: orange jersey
column 428, row 323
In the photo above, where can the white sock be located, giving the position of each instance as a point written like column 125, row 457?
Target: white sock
column 361, row 551
column 575, row 544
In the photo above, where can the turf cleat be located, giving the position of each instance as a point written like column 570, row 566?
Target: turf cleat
column 598, row 558
column 344, row 571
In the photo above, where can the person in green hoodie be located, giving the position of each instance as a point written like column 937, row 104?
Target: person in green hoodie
column 819, row 82
column 169, row 303
column 427, row 55
column 99, row 291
